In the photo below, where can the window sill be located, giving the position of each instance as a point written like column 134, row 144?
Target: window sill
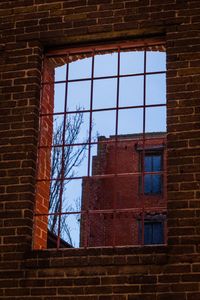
column 106, row 256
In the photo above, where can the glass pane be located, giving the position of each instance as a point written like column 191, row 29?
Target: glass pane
column 130, row 121
column 60, row 73
column 77, row 128
column 58, row 123
column 72, row 195
column 105, row 65
column 59, row 97
column 132, row 62
column 156, row 61
column 148, row 233
column 52, row 233
column 70, row 231
column 56, row 162
column 148, row 163
column 131, row 91
column 55, row 196
column 147, row 183
column 156, row 89
column 156, row 184
column 153, row 232
column 104, row 93
column 81, row 68
column 53, row 224
column 158, row 233
column 103, row 124
column 78, row 97
column 157, row 163
column 75, row 161
column 155, row 119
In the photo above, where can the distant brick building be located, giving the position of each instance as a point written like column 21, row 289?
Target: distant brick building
column 120, row 202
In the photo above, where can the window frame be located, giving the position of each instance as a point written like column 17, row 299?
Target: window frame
column 151, row 152
column 152, row 219
column 58, row 52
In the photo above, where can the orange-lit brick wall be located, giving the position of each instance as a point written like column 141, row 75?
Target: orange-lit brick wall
column 44, row 160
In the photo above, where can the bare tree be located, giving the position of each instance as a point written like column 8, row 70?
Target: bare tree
column 64, row 161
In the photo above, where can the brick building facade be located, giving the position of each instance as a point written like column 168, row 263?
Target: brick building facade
column 125, row 193
column 28, row 29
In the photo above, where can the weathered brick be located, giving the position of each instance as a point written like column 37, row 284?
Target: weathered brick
column 28, row 28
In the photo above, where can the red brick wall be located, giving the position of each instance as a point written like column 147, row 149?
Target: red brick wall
column 27, row 28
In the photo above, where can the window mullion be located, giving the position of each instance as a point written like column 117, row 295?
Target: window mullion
column 143, row 150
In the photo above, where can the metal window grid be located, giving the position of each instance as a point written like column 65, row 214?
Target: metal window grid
column 87, row 213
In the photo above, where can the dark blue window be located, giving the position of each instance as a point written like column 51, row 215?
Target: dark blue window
column 153, row 182
column 153, row 232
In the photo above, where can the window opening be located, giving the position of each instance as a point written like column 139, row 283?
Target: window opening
column 154, row 229
column 103, row 111
column 152, row 182
column 153, row 179
column 153, row 233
